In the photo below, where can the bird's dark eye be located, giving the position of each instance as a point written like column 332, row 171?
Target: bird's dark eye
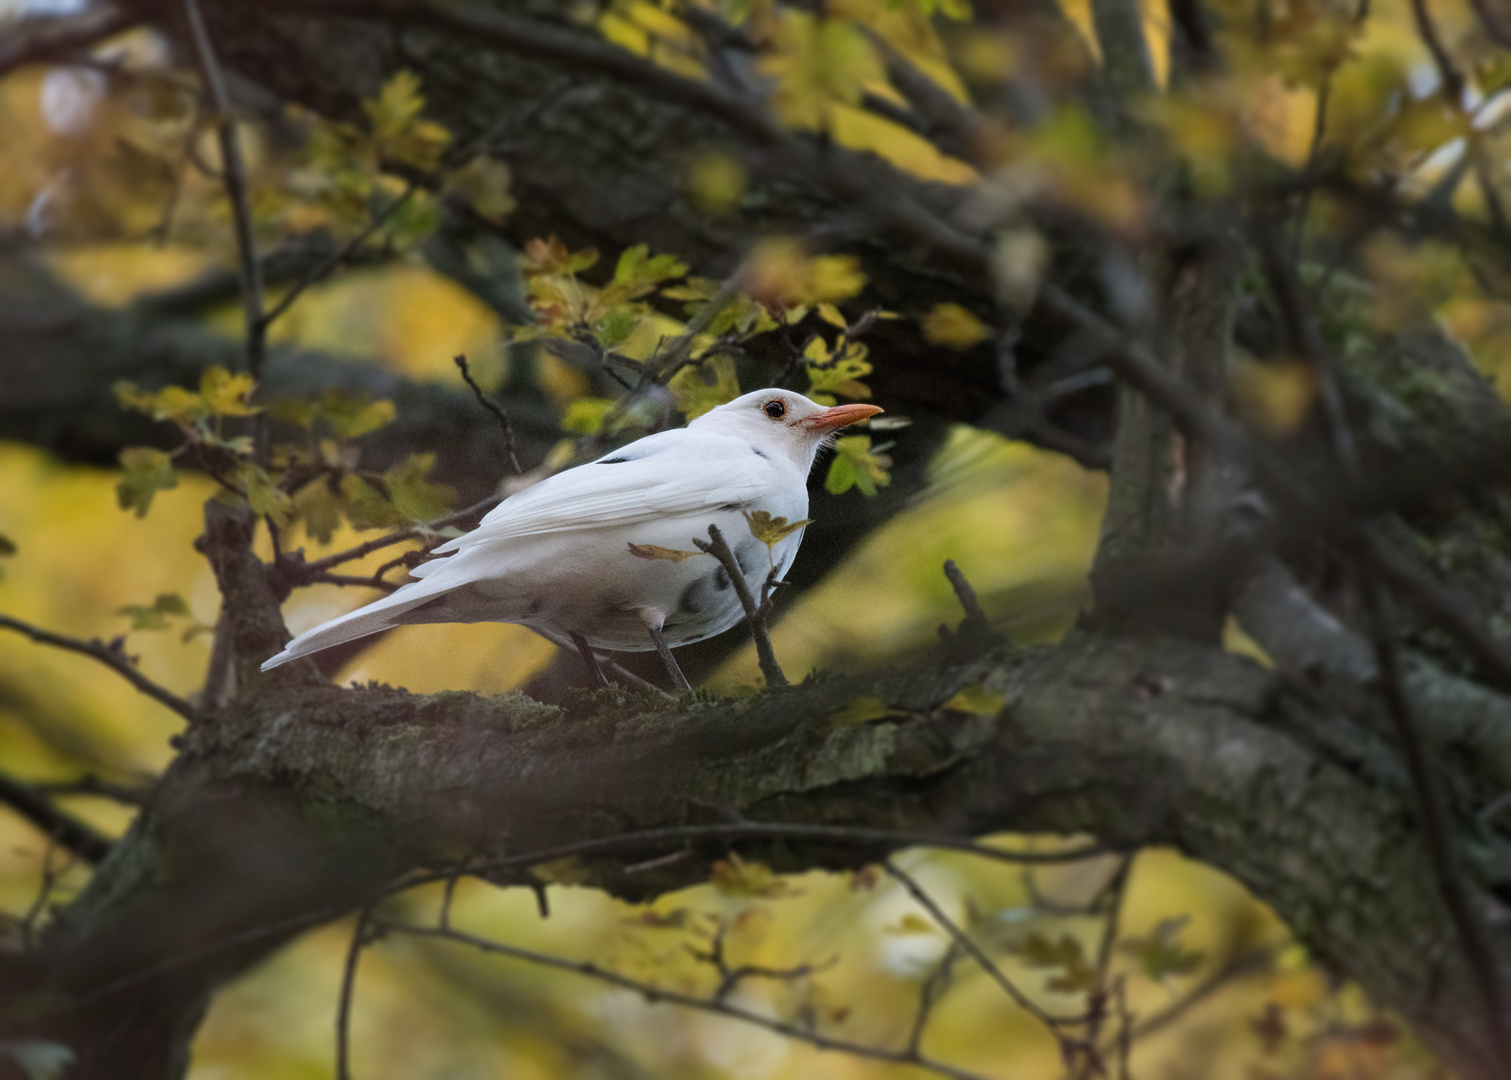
column 775, row 408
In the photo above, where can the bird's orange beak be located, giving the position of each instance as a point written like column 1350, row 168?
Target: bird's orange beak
column 839, row 416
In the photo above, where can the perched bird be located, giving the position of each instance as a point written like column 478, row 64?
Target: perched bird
column 604, row 553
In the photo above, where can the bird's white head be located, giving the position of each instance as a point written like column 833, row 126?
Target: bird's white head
column 783, row 421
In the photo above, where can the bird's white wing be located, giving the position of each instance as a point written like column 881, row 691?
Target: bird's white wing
column 664, row 475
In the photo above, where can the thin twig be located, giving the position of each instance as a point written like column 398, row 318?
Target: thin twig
column 495, row 408
column 930, row 992
column 61, row 827
column 762, row 830
column 344, row 580
column 659, row 994
column 1442, row 848
column 112, row 657
column 719, row 548
column 1112, row 894
column 328, row 265
column 730, row 977
column 50, row 876
column 413, row 532
column 234, row 174
column 984, row 962
column 90, row 784
column 348, row 988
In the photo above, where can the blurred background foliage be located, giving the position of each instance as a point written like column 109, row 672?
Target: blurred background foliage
column 108, row 170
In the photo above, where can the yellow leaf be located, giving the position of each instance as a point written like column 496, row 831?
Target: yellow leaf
column 585, row 416
column 976, row 700
column 1276, row 397
column 781, row 274
column 567, row 871
column 737, row 877
column 768, row 530
column 397, row 104
column 484, row 183
column 954, row 327
column 831, row 315
column 716, row 181
column 694, row 395
column 651, row 551
column 854, row 465
column 911, row 924
column 862, row 710
column 815, row 64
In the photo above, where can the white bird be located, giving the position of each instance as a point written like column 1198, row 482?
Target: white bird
column 604, row 553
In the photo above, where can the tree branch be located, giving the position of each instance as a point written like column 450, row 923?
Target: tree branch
column 60, row 826
column 112, row 657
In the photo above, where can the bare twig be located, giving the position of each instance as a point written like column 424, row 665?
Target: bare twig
column 49, row 882
column 1101, row 990
column 984, row 962
column 495, row 408
column 414, row 532
column 730, row 976
column 32, row 803
column 372, row 582
column 1442, row 847
column 762, row 830
column 348, row 987
column 755, row 614
column 331, row 262
column 658, row 994
column 930, row 992
column 89, row 784
column 109, row 655
column 234, row 175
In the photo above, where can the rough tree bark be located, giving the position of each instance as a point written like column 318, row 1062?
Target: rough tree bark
column 298, row 801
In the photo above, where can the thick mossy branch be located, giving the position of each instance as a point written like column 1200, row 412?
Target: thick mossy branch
column 335, row 791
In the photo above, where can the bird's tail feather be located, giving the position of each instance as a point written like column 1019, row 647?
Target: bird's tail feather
column 379, row 615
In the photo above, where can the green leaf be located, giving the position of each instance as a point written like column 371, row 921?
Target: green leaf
column 170, row 403
column 585, row 416
column 1161, row 954
column 694, row 395
column 768, row 530
column 148, row 471
column 484, row 183
column 155, row 617
column 1066, row 954
column 397, row 105
column 854, row 465
column 318, row 505
column 7, row 546
column 264, row 497
column 637, row 266
column 225, row 394
column 616, row 327
column 840, row 374
column 365, row 506
column 412, row 493
column 350, row 416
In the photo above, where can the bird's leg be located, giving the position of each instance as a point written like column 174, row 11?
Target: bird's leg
column 588, row 658
column 679, row 680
